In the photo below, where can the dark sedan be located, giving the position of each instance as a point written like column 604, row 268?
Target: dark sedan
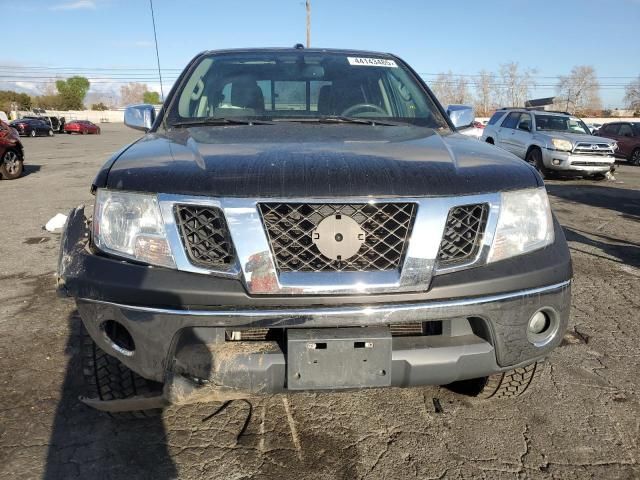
column 82, row 126
column 627, row 134
column 32, row 127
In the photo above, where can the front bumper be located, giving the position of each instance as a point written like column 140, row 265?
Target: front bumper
column 577, row 164
column 181, row 322
column 480, row 336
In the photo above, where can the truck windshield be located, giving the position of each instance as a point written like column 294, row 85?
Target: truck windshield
column 302, row 86
column 558, row 123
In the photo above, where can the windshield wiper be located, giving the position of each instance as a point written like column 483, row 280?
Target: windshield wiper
column 341, row 119
column 221, row 121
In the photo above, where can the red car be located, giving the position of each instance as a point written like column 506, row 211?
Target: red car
column 81, row 126
column 627, row 134
column 11, row 153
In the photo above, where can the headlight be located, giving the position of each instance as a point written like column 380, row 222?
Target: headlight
column 564, row 145
column 525, row 224
column 130, row 225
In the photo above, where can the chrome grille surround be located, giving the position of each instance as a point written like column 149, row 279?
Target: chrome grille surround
column 290, row 229
column 255, row 265
column 593, row 148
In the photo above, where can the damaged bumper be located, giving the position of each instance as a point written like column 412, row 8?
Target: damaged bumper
column 206, row 339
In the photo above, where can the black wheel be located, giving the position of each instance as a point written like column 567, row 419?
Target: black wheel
column 598, row 177
column 534, row 157
column 107, row 378
column 490, row 140
column 634, row 158
column 509, row 384
column 33, row 133
column 11, row 165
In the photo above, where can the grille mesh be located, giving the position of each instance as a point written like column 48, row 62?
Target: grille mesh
column 290, row 225
column 205, row 235
column 462, row 234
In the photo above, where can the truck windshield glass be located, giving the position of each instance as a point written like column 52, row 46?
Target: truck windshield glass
column 557, row 123
column 302, row 86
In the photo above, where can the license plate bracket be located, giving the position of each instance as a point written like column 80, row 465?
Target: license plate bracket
column 335, row 358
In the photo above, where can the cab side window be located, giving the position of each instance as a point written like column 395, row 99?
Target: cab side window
column 611, row 128
column 625, row 130
column 525, row 122
column 495, row 117
column 511, row 121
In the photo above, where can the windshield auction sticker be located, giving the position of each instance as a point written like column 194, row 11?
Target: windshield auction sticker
column 372, row 62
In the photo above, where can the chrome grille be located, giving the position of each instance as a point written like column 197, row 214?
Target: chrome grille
column 205, row 235
column 462, row 234
column 589, row 148
column 590, row 164
column 386, row 225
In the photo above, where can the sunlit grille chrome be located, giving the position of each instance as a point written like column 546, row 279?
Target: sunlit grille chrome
column 462, row 234
column 290, row 225
column 205, row 235
column 597, row 149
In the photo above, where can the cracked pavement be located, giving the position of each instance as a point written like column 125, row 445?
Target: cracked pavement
column 582, row 418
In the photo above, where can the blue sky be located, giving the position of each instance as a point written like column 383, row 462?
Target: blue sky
column 462, row 36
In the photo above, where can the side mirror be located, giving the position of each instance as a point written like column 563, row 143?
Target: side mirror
column 525, row 127
column 462, row 116
column 140, row 117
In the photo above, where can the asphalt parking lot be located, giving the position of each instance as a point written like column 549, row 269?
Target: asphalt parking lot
column 582, row 420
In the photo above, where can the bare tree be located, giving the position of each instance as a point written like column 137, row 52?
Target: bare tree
column 132, row 93
column 515, row 85
column 451, row 90
column 581, row 89
column 632, row 94
column 485, row 100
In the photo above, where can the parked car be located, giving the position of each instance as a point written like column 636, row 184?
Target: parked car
column 306, row 219
column 11, row 153
column 53, row 122
column 627, row 136
column 32, row 127
column 82, row 126
column 553, row 142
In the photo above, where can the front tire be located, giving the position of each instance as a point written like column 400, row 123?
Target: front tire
column 534, row 157
column 33, row 133
column 634, row 158
column 50, row 133
column 107, row 378
column 11, row 165
column 509, row 384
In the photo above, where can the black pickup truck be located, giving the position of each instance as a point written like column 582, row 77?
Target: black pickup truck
column 300, row 219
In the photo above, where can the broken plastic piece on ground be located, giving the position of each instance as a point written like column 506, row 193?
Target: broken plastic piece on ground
column 56, row 223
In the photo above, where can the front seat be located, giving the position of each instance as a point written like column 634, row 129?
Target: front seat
column 326, row 103
column 246, row 93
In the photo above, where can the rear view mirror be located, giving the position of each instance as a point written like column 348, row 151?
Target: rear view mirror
column 140, row 117
column 462, row 116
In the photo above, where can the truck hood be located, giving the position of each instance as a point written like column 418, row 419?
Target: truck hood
column 314, row 160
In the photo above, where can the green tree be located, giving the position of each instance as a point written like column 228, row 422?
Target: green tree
column 8, row 97
column 72, row 92
column 151, row 97
column 99, row 106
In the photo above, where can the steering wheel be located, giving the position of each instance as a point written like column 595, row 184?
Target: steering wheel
column 364, row 107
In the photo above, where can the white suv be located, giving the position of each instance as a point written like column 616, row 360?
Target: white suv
column 554, row 142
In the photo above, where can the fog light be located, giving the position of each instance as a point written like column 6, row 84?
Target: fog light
column 539, row 323
column 555, row 161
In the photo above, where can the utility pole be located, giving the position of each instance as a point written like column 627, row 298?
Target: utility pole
column 308, row 6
